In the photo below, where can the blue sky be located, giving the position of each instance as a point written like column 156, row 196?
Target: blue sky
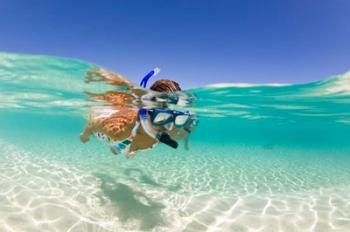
column 193, row 42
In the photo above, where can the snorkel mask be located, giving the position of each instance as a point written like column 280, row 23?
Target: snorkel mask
column 163, row 117
column 162, row 137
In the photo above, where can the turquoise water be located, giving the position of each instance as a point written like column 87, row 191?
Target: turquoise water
column 263, row 158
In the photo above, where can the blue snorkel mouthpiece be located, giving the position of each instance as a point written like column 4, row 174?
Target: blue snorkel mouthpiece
column 145, row 79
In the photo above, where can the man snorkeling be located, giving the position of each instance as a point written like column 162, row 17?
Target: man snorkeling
column 128, row 127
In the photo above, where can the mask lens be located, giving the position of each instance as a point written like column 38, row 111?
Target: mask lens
column 181, row 120
column 161, row 118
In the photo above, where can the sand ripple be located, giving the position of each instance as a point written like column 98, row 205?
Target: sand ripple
column 158, row 192
column 37, row 195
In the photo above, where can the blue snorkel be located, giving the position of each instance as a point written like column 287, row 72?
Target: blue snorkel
column 145, row 79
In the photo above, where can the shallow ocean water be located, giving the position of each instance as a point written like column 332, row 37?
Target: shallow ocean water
column 263, row 158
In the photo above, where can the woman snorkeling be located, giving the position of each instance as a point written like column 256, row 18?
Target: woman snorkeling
column 128, row 127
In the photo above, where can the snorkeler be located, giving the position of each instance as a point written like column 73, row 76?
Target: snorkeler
column 129, row 129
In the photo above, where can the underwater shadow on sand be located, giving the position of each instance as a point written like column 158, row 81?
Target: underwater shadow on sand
column 132, row 205
column 138, row 175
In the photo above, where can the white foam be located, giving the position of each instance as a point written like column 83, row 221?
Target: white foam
column 340, row 85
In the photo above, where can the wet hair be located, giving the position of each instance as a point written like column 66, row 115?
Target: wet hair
column 165, row 86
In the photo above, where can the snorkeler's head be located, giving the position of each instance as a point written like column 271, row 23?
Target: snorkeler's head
column 165, row 86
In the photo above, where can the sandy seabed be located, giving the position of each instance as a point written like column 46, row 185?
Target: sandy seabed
column 39, row 194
